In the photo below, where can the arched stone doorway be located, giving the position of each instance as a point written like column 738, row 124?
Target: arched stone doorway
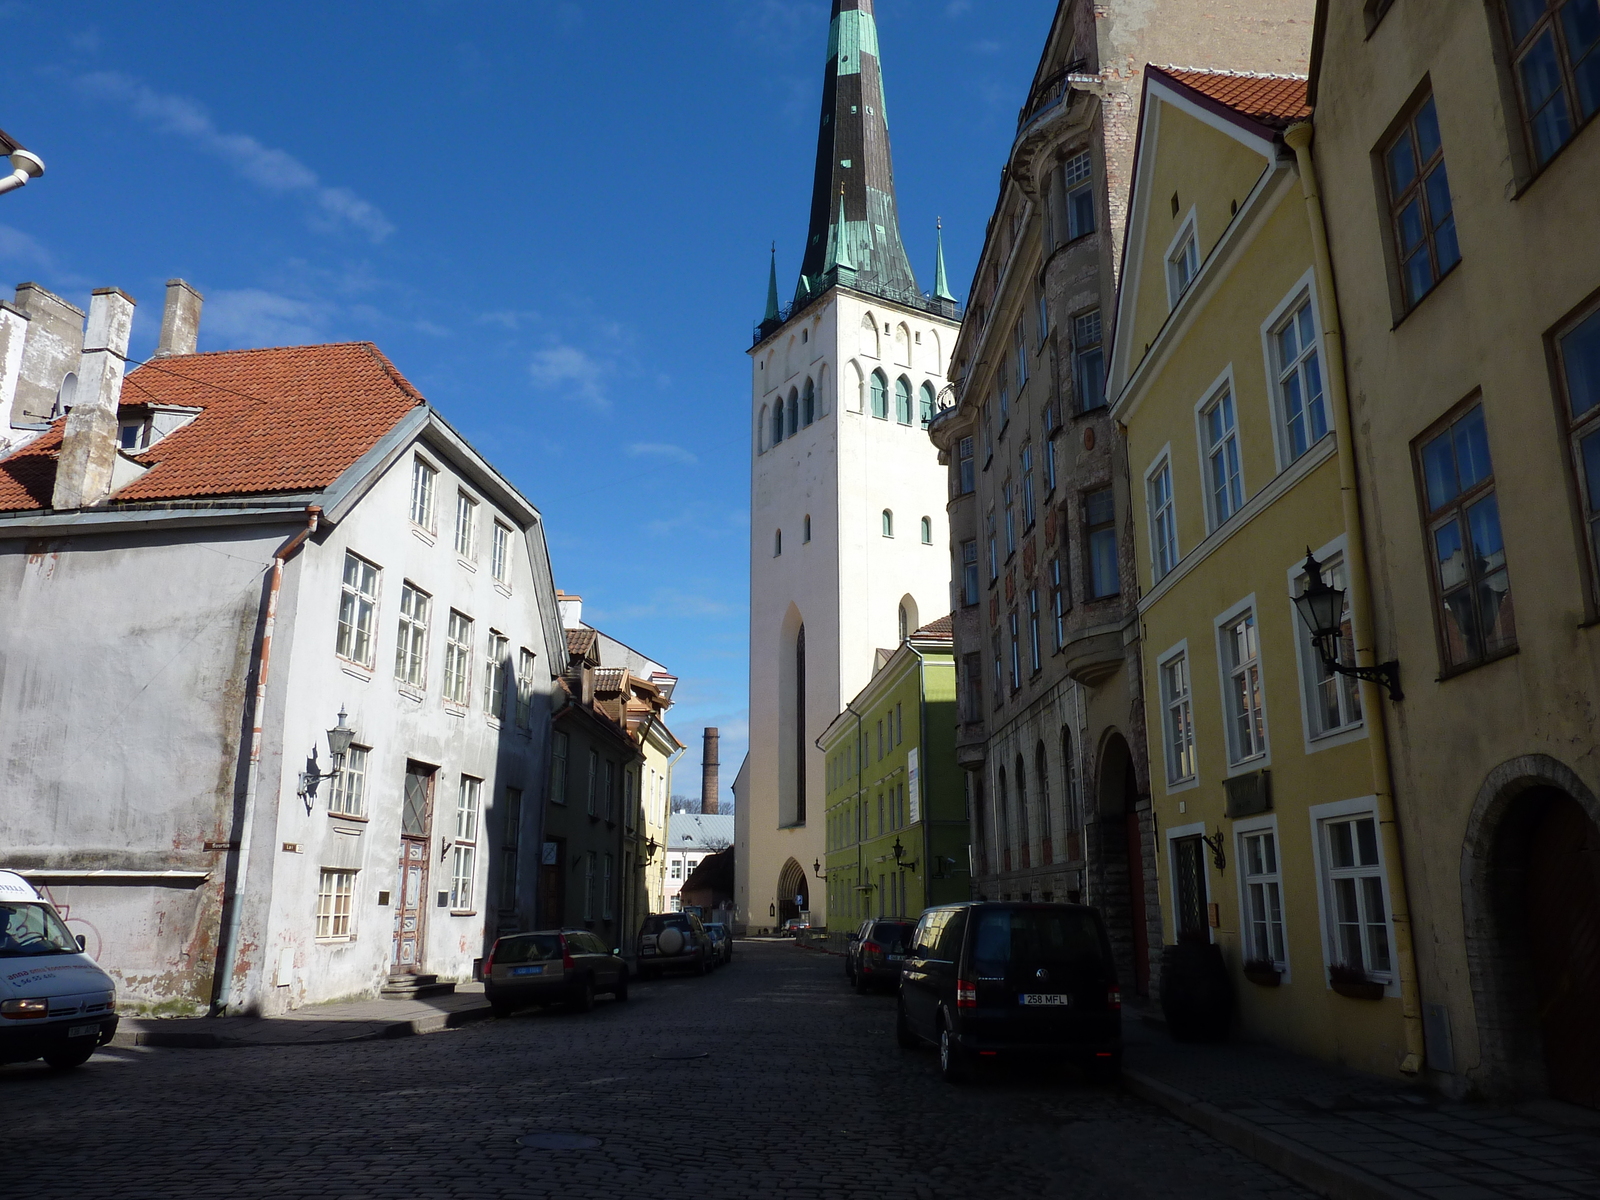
column 794, row 892
column 1531, row 899
column 1121, row 838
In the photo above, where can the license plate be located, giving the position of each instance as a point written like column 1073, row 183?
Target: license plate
column 897, row 958
column 649, row 950
column 527, row 970
column 83, row 1031
column 1044, row 1000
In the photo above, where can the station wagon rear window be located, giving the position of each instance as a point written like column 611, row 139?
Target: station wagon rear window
column 533, row 947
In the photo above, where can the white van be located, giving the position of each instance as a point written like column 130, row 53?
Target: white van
column 55, row 1004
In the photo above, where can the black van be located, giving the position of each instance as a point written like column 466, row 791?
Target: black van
column 985, row 979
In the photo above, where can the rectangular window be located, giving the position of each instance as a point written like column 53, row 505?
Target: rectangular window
column 464, row 858
column 1305, row 412
column 1163, row 522
column 994, row 553
column 1263, row 897
column 1029, row 508
column 592, row 792
column 1182, row 267
column 1178, row 718
column 988, row 437
column 1471, row 583
column 589, row 880
column 1241, row 661
column 605, row 889
column 611, row 790
column 1356, row 904
column 525, row 661
column 899, row 724
column 423, row 477
column 1003, row 398
column 1050, row 466
column 1016, row 650
column 500, row 554
column 1041, row 316
column 1035, row 658
column 466, row 526
column 1100, row 543
column 1059, row 600
column 1079, row 180
column 558, row 767
column 1088, row 361
column 358, row 610
column 1225, row 480
column 969, row 573
column 999, row 677
column 1019, row 350
column 677, row 868
column 349, row 795
column 1008, row 493
column 1555, row 45
column 495, row 669
column 458, row 659
column 411, row 651
column 1420, row 212
column 335, row 895
column 1333, row 701
column 966, row 482
column 1578, row 350
column 972, row 676
column 511, row 832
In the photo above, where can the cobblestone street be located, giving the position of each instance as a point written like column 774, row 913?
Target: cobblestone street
column 801, row 1092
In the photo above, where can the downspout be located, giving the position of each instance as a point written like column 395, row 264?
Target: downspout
column 1298, row 138
column 922, row 746
column 227, row 952
column 861, row 760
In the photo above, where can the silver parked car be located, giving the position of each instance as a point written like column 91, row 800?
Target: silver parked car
column 551, row 967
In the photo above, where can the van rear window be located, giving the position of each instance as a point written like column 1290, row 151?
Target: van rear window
column 528, row 947
column 1023, row 935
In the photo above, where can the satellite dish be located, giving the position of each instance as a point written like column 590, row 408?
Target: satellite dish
column 67, row 394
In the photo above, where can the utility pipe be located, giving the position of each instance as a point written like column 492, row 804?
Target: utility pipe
column 922, row 755
column 228, row 951
column 27, row 166
column 1298, row 138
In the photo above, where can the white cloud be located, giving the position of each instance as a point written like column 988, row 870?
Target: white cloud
column 252, row 317
column 564, row 367
column 662, row 450
column 23, row 250
column 987, row 46
column 268, row 168
column 957, row 7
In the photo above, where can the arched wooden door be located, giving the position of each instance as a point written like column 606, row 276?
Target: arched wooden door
column 1562, row 893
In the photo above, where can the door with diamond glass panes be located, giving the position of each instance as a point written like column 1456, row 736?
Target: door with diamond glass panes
column 411, row 905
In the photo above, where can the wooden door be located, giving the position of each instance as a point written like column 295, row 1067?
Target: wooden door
column 411, row 905
column 1563, row 907
column 553, row 885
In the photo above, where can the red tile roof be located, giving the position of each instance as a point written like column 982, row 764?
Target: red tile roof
column 581, row 641
column 291, row 419
column 1275, row 101
column 944, row 627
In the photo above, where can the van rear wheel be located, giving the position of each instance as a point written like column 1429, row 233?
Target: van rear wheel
column 955, row 1064
column 75, row 1056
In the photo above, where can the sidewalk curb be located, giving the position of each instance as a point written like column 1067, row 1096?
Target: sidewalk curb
column 1323, row 1175
column 184, row 1039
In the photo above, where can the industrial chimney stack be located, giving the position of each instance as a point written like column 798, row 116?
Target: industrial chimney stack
column 708, row 773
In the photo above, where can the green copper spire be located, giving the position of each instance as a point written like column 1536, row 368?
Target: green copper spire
column 839, row 246
column 941, row 281
column 772, row 287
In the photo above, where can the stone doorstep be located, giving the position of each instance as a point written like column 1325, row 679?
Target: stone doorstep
column 272, row 1031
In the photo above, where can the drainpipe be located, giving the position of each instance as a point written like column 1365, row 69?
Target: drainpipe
column 228, row 951
column 1298, row 138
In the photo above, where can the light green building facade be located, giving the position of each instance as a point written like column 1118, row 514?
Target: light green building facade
column 896, row 799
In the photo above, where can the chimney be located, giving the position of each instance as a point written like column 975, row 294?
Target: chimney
column 708, row 773
column 180, row 320
column 571, row 608
column 50, row 353
column 89, row 444
column 13, row 337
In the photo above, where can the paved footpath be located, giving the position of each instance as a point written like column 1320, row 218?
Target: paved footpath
column 767, row 1079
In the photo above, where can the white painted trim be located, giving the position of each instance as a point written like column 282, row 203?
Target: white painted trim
column 1188, row 229
column 1163, row 458
column 1304, row 288
column 1318, row 813
column 1225, row 675
column 1194, row 829
column 1166, row 656
column 1120, row 359
column 1248, row 825
column 1303, row 650
column 1209, row 397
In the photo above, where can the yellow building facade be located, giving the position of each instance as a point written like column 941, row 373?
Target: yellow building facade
column 1275, row 837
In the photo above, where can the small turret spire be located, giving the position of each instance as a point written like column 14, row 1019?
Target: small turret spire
column 772, row 288
column 941, row 281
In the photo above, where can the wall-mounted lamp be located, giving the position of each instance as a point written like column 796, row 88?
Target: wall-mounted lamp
column 339, row 739
column 1219, row 857
column 816, row 869
column 1321, row 607
column 899, row 855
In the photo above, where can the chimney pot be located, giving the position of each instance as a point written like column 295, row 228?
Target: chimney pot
column 708, row 772
column 50, row 352
column 89, row 442
column 180, row 320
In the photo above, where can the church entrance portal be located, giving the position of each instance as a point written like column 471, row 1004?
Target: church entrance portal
column 794, row 896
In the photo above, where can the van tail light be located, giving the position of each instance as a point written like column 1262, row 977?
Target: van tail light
column 488, row 962
column 871, row 948
column 566, row 956
column 1114, row 998
column 966, row 994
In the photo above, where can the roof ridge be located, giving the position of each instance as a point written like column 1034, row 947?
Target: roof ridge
column 254, row 350
column 1227, row 71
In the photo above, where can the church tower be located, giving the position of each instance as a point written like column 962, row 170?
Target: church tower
column 849, row 550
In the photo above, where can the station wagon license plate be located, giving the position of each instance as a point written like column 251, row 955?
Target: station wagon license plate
column 897, row 958
column 527, row 970
column 1044, row 1000
column 83, row 1031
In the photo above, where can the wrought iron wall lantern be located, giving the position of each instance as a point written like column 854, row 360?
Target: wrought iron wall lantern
column 900, row 860
column 1321, row 607
column 339, row 739
column 1219, row 855
column 816, row 869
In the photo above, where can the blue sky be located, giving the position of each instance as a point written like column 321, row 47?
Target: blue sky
column 554, row 218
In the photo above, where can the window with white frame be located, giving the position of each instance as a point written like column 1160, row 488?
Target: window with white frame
column 605, row 889
column 1029, row 501
column 1183, row 264
column 1357, row 908
column 358, row 610
column 887, row 523
column 411, row 650
column 1263, row 898
column 1016, row 652
column 677, row 868
column 1300, row 392
column 966, row 481
column 500, row 554
column 1019, row 349
column 495, row 669
column 1163, row 521
column 1219, row 432
column 1009, row 495
column 1177, row 704
column 349, row 795
column 1100, row 543
column 969, row 573
column 1088, row 361
column 994, row 551
column 1078, row 177
column 1034, row 658
column 591, row 805
column 464, row 859
column 559, row 742
column 336, row 891
column 589, row 880
column 525, row 661
column 458, row 659
column 1050, row 466
column 423, row 478
column 1059, row 600
column 466, row 526
column 1333, row 701
column 1241, row 661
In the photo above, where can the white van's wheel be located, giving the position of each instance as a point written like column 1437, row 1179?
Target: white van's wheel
column 74, row 1056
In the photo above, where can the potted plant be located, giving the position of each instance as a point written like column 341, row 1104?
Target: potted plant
column 1353, row 981
column 1263, row 972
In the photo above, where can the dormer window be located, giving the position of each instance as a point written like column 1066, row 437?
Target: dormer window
column 133, row 436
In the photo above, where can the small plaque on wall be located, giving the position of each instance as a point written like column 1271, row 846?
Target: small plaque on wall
column 1249, row 794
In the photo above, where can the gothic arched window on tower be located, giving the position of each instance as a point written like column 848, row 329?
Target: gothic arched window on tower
column 888, row 523
column 807, row 529
column 927, row 531
column 869, row 336
column 794, row 412
column 902, row 400
column 808, row 404
column 926, row 405
column 777, row 542
column 880, row 396
column 905, row 623
column 777, row 420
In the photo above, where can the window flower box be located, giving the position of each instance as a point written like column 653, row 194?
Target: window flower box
column 1263, row 973
column 1354, row 983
